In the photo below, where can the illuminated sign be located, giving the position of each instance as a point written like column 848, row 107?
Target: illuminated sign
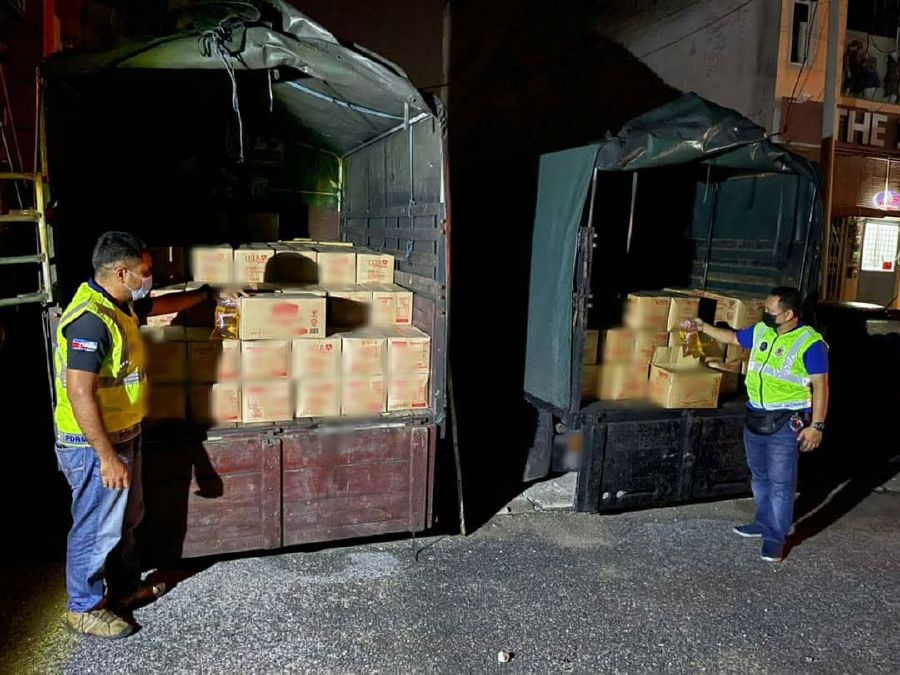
column 888, row 200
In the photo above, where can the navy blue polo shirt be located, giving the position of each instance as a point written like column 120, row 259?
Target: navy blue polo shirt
column 87, row 337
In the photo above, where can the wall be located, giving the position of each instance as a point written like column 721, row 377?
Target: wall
column 723, row 50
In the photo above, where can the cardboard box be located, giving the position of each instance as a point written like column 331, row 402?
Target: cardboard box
column 293, row 264
column 618, row 345
column 262, row 226
column 267, row 401
column 363, row 395
column 645, row 344
column 693, row 388
column 266, row 359
column 169, row 265
column 166, row 402
column 738, row 311
column 736, row 353
column 621, row 381
column 408, row 351
column 336, row 267
column 164, row 333
column 214, row 361
column 363, row 352
column 591, row 346
column 251, row 262
column 391, row 305
column 218, row 403
column 374, row 268
column 647, row 310
column 408, row 392
column 680, row 309
column 700, row 345
column 318, row 397
column 589, row 379
column 198, row 334
column 277, row 316
column 316, row 358
column 212, row 264
column 166, row 361
column 349, row 307
column 731, row 375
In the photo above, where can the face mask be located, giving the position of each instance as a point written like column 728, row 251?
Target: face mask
column 771, row 320
column 146, row 285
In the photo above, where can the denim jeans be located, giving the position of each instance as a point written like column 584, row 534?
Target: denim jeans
column 773, row 465
column 101, row 544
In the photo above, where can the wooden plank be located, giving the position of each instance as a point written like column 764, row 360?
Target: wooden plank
column 337, row 532
column 271, row 494
column 361, row 229
column 357, row 446
column 435, row 209
column 420, row 285
column 418, row 479
column 350, row 479
column 237, row 491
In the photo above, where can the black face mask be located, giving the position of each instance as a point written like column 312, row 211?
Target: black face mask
column 771, row 320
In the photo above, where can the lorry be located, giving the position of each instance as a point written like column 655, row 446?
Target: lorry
column 242, row 109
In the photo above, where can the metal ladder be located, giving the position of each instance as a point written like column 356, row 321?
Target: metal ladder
column 37, row 218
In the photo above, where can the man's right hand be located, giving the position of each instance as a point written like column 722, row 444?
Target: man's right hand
column 694, row 325
column 114, row 473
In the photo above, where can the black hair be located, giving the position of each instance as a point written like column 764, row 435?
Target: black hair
column 113, row 247
column 788, row 298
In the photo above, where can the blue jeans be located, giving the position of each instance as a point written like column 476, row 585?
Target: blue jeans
column 101, row 544
column 773, row 465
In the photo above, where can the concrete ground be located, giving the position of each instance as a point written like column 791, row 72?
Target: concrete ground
column 665, row 590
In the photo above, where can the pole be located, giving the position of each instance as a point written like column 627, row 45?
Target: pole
column 829, row 131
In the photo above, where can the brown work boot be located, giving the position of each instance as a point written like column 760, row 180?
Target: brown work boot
column 144, row 595
column 99, row 623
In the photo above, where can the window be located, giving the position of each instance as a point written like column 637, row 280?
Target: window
column 879, row 249
column 801, row 31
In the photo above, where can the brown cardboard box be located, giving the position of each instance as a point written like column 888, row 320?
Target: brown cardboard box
column 645, row 344
column 363, row 395
column 164, row 333
column 262, row 226
column 336, row 267
column 293, row 264
column 349, row 307
column 316, row 358
column 267, row 401
column 250, row 263
column 681, row 308
column 218, row 403
column 731, row 375
column 214, row 361
column 198, row 334
column 169, row 265
column 265, row 359
column 738, row 311
column 408, row 392
column 618, row 345
column 166, row 402
column 212, row 264
column 391, row 305
column 363, row 352
column 621, row 381
column 647, row 310
column 166, row 361
column 408, row 350
column 678, row 380
column 591, row 345
column 589, row 379
column 736, row 353
column 319, row 397
column 374, row 268
column 279, row 316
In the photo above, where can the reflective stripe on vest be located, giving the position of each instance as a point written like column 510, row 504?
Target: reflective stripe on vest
column 776, row 375
column 121, row 382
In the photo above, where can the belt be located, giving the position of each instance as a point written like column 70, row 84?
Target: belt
column 115, row 437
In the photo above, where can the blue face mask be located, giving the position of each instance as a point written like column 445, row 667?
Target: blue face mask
column 144, row 290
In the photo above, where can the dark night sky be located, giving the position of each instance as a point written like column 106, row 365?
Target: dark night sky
column 879, row 17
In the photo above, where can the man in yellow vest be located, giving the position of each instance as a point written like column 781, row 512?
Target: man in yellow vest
column 787, row 388
column 101, row 392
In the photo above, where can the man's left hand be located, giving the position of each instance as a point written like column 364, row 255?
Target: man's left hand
column 809, row 439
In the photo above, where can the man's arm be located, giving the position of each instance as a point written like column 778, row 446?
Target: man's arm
column 723, row 335
column 81, row 387
column 810, row 438
column 172, row 303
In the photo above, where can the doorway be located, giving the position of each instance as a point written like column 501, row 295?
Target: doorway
column 878, row 261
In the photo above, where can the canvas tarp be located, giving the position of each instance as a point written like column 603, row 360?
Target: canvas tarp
column 690, row 130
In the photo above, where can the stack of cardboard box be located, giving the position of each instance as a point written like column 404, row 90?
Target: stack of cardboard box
column 649, row 357
column 293, row 348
